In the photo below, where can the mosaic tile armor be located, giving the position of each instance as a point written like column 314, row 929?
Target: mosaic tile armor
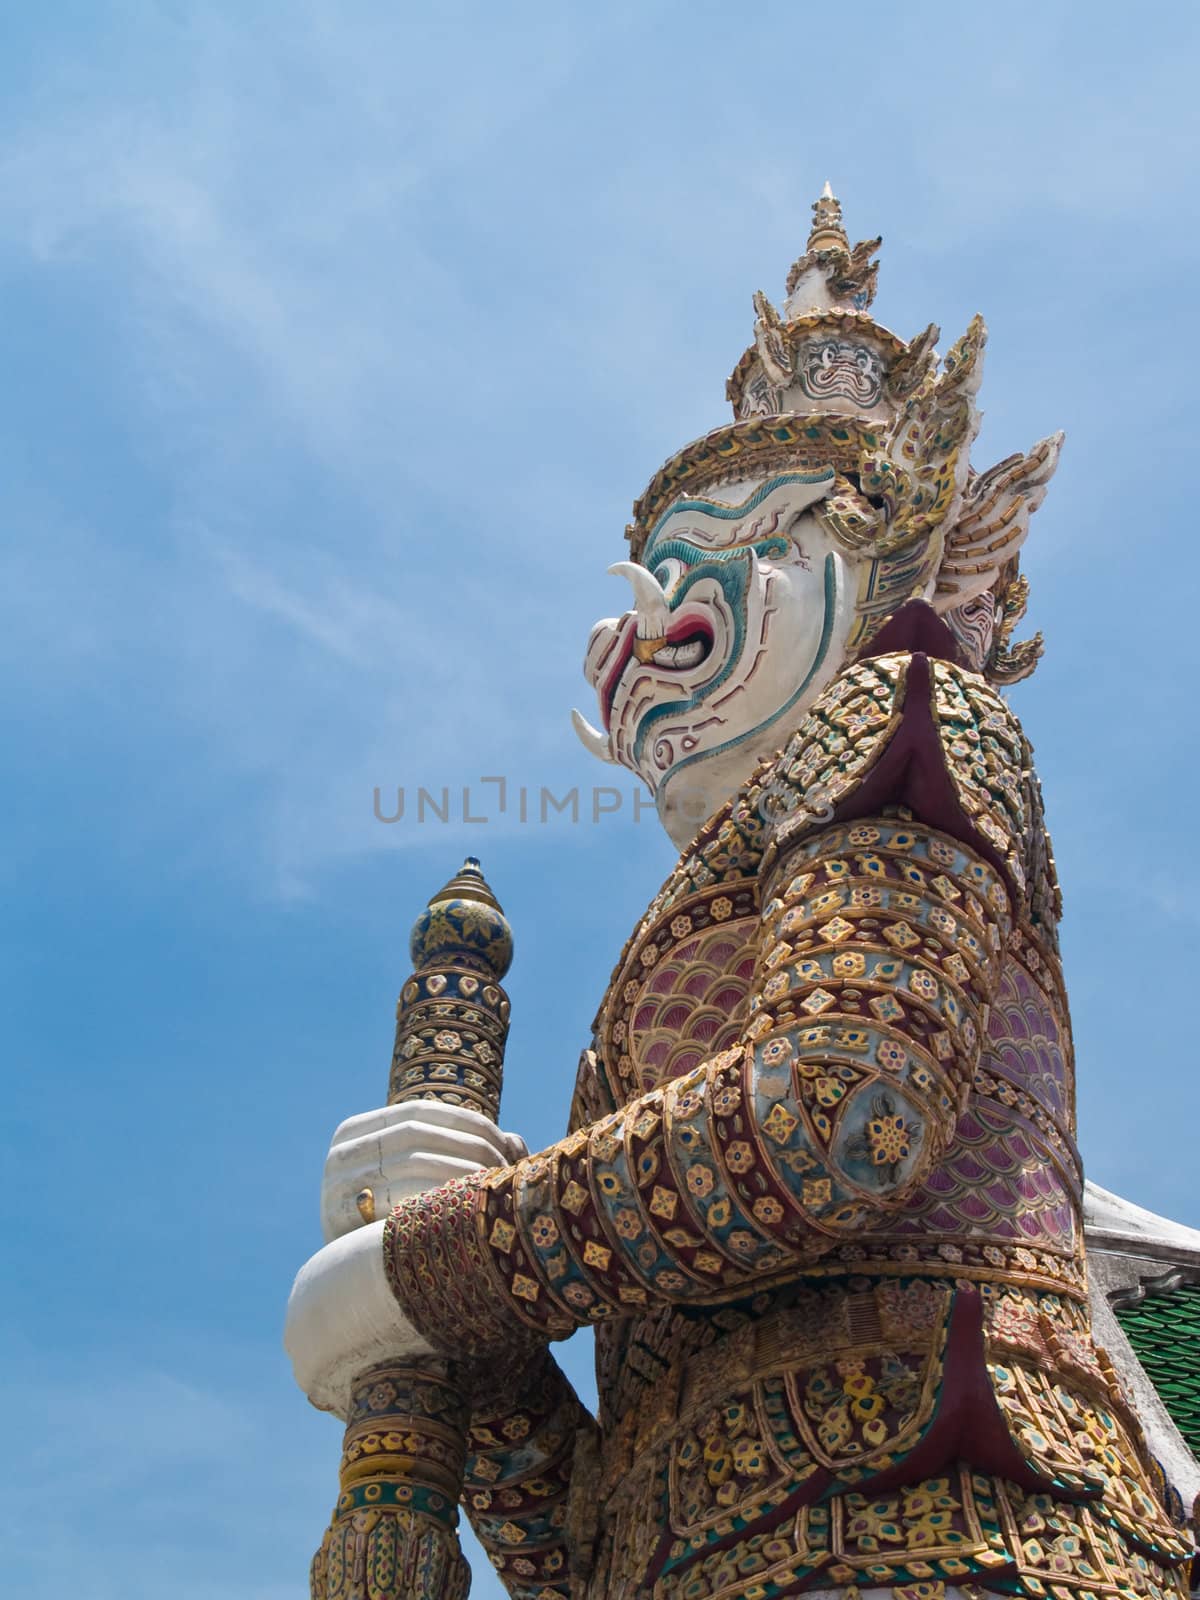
column 825, row 1157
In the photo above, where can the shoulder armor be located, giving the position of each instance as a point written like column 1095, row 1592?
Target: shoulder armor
column 926, row 735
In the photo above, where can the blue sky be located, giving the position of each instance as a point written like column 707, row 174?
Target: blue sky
column 336, row 342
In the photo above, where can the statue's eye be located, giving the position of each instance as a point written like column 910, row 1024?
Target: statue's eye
column 668, row 572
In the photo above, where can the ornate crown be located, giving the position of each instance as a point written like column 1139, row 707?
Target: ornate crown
column 825, row 352
column 825, row 385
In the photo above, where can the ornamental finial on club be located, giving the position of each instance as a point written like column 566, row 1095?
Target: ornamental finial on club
column 464, row 920
column 452, row 1018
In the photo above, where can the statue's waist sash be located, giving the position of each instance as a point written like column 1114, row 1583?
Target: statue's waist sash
column 892, row 1402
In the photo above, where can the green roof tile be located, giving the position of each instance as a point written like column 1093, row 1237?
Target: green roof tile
column 1164, row 1330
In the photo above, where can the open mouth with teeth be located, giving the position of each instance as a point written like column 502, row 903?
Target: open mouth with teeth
column 686, row 644
column 689, row 652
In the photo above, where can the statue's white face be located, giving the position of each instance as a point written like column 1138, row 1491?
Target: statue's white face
column 742, row 609
column 746, row 596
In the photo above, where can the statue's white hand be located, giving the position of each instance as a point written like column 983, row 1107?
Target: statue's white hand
column 342, row 1316
column 399, row 1151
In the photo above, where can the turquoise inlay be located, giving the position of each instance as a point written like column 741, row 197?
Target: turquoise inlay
column 621, row 1194
column 792, row 1157
column 519, row 1460
column 684, row 550
column 554, row 1260
column 733, row 576
column 413, row 1497
column 888, row 975
column 537, row 1527
column 727, row 513
column 957, row 863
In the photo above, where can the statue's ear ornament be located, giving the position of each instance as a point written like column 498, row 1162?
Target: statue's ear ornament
column 983, row 548
column 931, row 437
column 1013, row 664
column 906, row 488
column 994, row 521
column 1009, row 663
column 853, row 519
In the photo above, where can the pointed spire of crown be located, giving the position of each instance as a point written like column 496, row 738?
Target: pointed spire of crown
column 822, row 351
column 830, row 275
column 827, row 232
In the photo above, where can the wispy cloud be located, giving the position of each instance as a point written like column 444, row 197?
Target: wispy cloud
column 339, row 617
column 299, row 369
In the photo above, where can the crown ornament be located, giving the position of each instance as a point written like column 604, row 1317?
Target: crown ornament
column 849, row 275
column 824, row 351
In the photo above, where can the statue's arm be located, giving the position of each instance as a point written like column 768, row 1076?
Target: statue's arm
column 880, row 948
column 522, row 1451
column 864, row 1032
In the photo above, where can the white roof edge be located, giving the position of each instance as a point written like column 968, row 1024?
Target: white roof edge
column 1111, row 1220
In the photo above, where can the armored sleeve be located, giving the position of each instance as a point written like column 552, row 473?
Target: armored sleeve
column 518, row 1481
